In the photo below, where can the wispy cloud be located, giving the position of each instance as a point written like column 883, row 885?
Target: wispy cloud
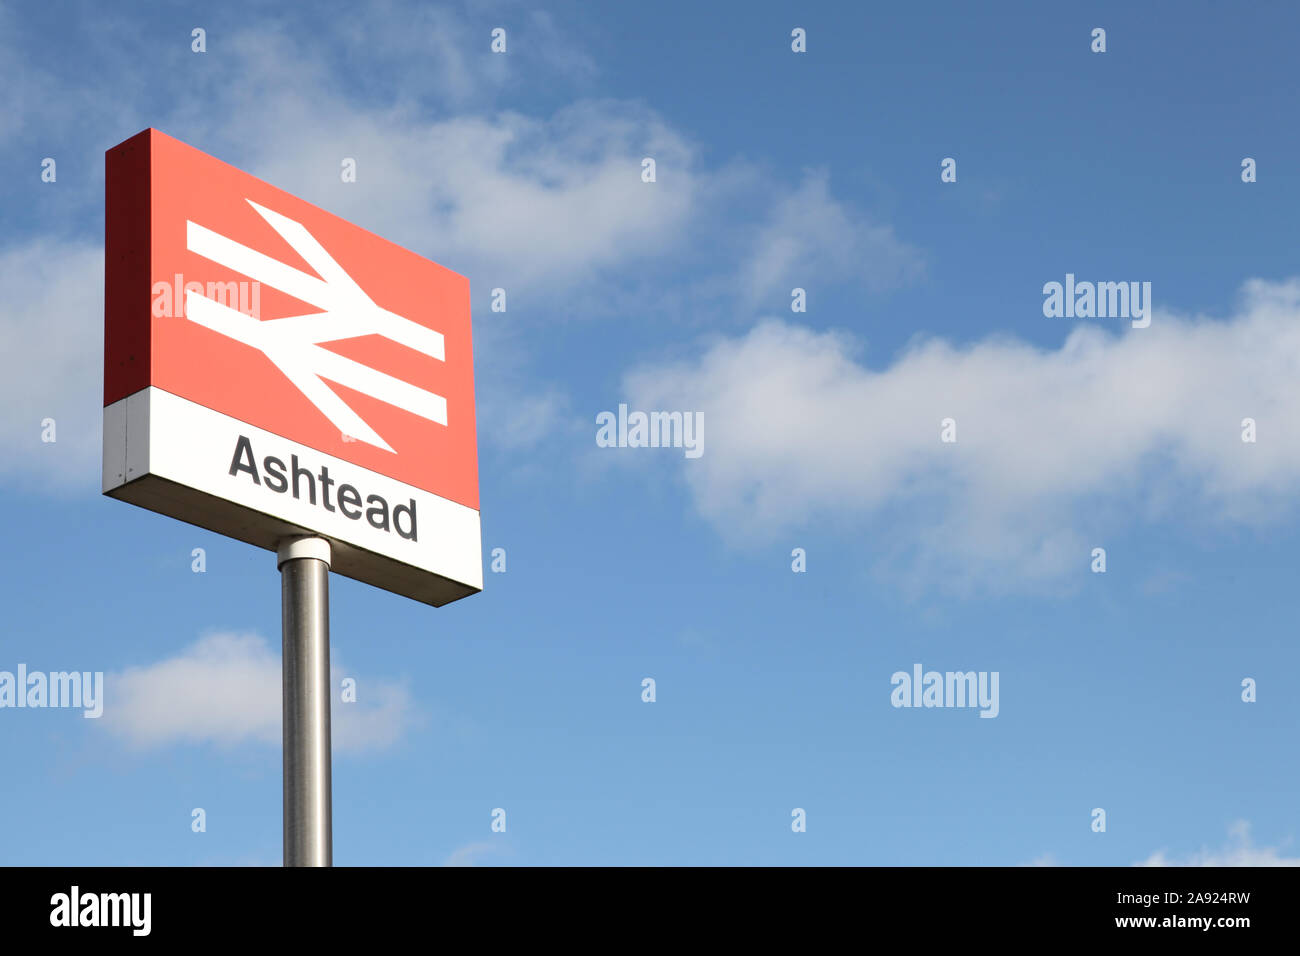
column 51, row 334
column 1146, row 424
column 810, row 237
column 225, row 689
column 1240, row 850
column 521, row 202
column 549, row 206
column 471, row 853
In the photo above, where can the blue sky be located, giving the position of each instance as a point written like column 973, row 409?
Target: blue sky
column 775, row 170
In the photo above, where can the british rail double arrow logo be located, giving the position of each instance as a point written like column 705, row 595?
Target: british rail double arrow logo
column 292, row 343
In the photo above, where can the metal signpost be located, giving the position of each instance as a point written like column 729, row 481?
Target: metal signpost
column 278, row 375
column 305, row 610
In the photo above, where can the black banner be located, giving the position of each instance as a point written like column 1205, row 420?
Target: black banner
column 1152, row 906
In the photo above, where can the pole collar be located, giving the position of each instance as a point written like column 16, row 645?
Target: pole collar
column 293, row 549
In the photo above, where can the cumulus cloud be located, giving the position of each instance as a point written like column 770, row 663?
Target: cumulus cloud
column 225, row 689
column 1240, row 850
column 1054, row 447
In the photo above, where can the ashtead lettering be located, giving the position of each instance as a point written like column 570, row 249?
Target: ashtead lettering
column 303, row 483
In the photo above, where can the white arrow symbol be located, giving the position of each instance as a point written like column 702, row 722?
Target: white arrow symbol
column 291, row 342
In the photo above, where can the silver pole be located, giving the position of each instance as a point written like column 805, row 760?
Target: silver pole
column 304, row 565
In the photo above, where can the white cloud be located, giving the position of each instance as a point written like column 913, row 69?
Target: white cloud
column 1052, row 444
column 51, row 337
column 505, row 198
column 376, row 720
column 516, row 422
column 516, row 201
column 550, row 207
column 811, row 237
column 467, row 855
column 48, row 102
column 1239, row 851
column 225, row 689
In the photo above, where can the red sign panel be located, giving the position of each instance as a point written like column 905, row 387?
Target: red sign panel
column 235, row 295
